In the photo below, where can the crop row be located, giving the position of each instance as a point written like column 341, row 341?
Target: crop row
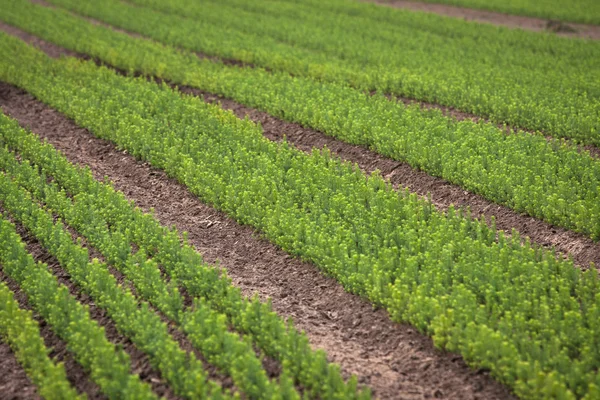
column 529, row 317
column 526, row 172
column 70, row 320
column 22, row 333
column 584, row 11
column 96, row 206
column 185, row 374
column 205, row 329
column 508, row 76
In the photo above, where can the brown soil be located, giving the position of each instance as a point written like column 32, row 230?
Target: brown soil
column 58, row 349
column 14, row 382
column 394, row 359
column 139, row 361
column 390, row 366
column 496, row 18
column 48, row 48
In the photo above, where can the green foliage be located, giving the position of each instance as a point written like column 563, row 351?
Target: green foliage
column 206, row 329
column 96, row 206
column 509, row 76
column 525, row 172
column 184, row 372
column 531, row 318
column 584, row 11
column 109, row 367
column 21, row 332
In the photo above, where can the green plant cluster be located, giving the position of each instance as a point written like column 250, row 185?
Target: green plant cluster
column 22, row 333
column 509, row 76
column 109, row 367
column 142, row 325
column 528, row 316
column 206, row 329
column 95, row 206
column 546, row 179
column 583, row 11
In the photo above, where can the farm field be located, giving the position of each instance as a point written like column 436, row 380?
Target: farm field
column 279, row 199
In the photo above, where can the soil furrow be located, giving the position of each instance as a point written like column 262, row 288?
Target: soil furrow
column 139, row 361
column 14, row 382
column 55, row 51
column 394, row 359
column 496, row 18
column 76, row 374
column 50, row 49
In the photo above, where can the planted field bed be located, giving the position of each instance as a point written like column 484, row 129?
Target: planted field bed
column 295, row 199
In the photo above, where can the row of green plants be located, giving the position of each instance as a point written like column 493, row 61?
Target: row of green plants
column 545, row 179
column 528, row 316
column 376, row 13
column 95, row 207
column 21, row 332
column 87, row 213
column 108, row 366
column 508, row 76
column 583, row 11
column 362, row 17
column 205, row 329
column 183, row 371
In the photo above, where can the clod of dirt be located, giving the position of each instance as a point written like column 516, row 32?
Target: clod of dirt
column 559, row 27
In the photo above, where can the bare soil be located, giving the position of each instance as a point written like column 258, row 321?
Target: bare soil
column 496, row 18
column 14, row 382
column 393, row 359
column 58, row 349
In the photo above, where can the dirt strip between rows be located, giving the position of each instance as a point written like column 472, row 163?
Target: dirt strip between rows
column 567, row 29
column 394, row 359
column 396, row 364
column 58, row 349
column 139, row 361
column 14, row 382
column 582, row 249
